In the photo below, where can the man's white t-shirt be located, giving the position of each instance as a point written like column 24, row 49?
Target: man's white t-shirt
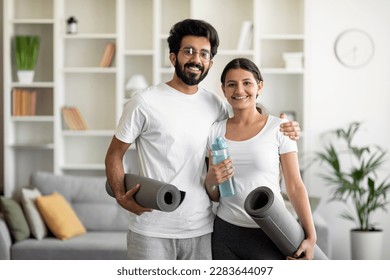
column 170, row 130
column 256, row 163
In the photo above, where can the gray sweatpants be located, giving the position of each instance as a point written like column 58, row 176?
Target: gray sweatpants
column 141, row 247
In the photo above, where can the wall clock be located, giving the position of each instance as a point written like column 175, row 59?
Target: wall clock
column 354, row 48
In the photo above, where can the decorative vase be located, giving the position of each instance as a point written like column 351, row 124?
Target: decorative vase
column 366, row 245
column 25, row 76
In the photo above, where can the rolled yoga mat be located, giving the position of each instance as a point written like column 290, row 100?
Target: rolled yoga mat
column 152, row 193
column 277, row 222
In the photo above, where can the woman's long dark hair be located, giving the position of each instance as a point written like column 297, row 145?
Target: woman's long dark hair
column 242, row 63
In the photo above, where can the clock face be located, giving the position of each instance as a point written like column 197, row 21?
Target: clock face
column 354, row 48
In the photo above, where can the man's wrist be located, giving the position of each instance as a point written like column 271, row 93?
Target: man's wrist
column 211, row 188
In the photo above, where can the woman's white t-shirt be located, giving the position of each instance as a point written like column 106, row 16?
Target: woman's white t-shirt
column 256, row 163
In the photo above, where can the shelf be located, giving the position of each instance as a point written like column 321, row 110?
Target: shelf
column 90, row 36
column 236, row 52
column 87, row 133
column 48, row 146
column 76, row 166
column 99, row 70
column 282, row 37
column 138, row 52
column 163, row 36
column 32, row 21
column 33, row 85
column 167, row 70
column 282, row 71
column 32, row 118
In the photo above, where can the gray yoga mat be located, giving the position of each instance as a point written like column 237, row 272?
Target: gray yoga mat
column 152, row 193
column 277, row 222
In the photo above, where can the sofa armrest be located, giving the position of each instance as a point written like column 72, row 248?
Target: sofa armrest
column 5, row 240
column 322, row 229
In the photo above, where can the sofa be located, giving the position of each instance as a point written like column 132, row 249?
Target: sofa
column 321, row 226
column 103, row 222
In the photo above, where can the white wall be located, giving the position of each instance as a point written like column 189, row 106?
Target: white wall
column 338, row 95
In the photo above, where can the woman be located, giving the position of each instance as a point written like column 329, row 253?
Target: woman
column 259, row 152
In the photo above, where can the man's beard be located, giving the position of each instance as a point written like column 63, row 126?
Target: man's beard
column 190, row 79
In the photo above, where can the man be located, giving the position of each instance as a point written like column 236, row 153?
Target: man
column 170, row 123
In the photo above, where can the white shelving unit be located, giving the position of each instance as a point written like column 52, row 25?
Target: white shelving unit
column 86, row 85
column 283, row 88
column 68, row 72
column 29, row 140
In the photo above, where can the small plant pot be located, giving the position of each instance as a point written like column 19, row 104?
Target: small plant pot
column 25, row 76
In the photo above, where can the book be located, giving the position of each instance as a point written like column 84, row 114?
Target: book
column 108, row 55
column 67, row 118
column 81, row 124
column 24, row 102
column 72, row 118
column 33, row 102
column 15, row 102
column 245, row 39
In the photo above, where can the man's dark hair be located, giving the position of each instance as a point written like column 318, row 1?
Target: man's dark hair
column 192, row 27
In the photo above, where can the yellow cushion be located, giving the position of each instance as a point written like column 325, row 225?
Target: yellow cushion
column 59, row 216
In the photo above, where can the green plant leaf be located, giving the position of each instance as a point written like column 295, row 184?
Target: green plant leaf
column 26, row 49
column 354, row 181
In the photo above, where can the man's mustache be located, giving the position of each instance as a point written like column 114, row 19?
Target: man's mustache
column 199, row 66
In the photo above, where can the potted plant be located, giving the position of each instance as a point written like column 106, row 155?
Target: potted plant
column 352, row 173
column 26, row 49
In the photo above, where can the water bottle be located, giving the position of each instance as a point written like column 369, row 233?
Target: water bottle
column 219, row 153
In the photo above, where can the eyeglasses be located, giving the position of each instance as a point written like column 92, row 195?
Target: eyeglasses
column 190, row 52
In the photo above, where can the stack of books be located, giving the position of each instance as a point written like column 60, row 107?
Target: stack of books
column 24, row 102
column 73, row 120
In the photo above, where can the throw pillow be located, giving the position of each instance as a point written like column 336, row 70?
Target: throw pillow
column 34, row 218
column 59, row 216
column 15, row 219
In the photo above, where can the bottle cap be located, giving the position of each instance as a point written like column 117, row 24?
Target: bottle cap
column 219, row 144
column 72, row 20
